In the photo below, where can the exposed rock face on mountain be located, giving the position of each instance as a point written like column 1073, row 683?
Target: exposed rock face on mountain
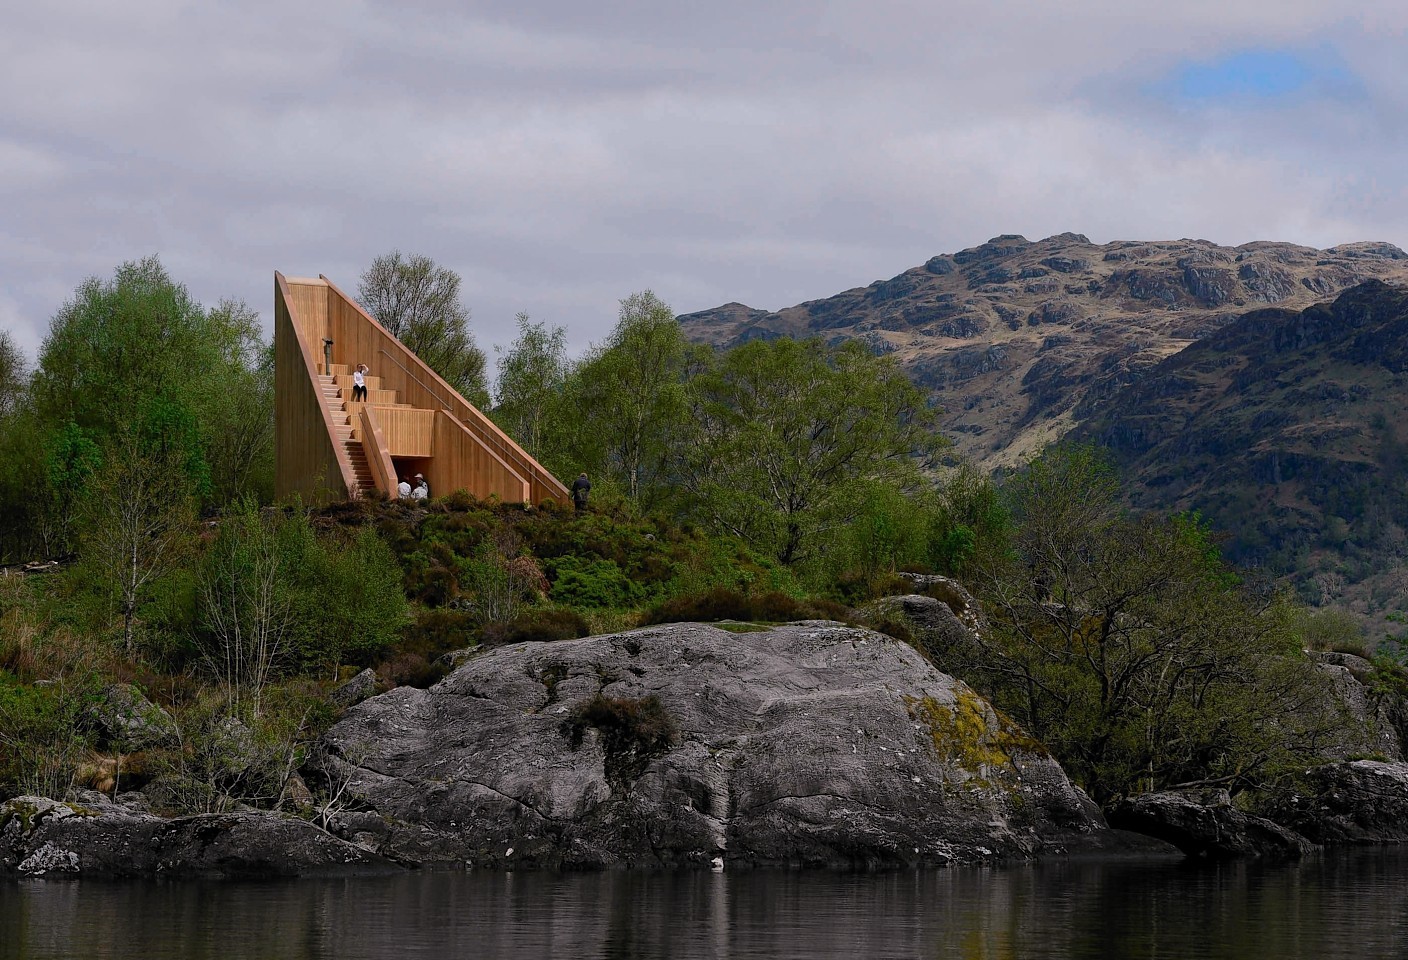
column 1021, row 340
column 1285, row 429
column 811, row 743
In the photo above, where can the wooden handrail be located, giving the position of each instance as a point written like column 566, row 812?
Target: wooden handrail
column 510, row 453
column 374, row 443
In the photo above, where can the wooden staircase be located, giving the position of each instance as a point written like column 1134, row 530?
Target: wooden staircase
column 346, row 433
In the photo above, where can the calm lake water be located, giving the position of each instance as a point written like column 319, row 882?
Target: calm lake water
column 1339, row 905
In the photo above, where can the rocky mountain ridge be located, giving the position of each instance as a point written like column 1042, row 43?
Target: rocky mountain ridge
column 1019, row 340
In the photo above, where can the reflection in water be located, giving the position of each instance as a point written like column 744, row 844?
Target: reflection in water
column 1350, row 905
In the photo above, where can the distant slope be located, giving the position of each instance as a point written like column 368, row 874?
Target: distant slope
column 1021, row 341
column 1287, row 430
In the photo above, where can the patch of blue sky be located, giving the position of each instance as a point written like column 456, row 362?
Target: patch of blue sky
column 1267, row 75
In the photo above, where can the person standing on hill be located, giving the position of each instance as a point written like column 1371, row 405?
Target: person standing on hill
column 422, row 490
column 403, row 489
column 580, row 488
column 359, row 382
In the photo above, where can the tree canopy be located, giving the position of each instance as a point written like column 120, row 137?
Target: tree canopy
column 418, row 302
column 785, row 435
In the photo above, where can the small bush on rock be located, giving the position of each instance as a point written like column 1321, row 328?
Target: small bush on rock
column 633, row 732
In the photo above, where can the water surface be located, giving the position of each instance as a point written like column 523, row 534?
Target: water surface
column 1350, row 905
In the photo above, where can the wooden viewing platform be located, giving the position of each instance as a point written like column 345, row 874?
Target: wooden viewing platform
column 328, row 447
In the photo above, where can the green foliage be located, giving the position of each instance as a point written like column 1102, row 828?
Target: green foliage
column 531, row 377
column 228, row 757
column 42, row 735
column 351, row 601
column 71, row 459
column 1329, row 629
column 136, row 352
column 788, row 436
column 1124, row 644
column 579, row 582
column 418, row 302
column 623, row 405
column 538, row 625
column 722, row 603
column 970, row 524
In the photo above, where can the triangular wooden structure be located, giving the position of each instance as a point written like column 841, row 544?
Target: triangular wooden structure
column 329, row 447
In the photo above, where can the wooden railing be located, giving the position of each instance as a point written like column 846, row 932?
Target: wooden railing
column 378, row 455
column 491, row 439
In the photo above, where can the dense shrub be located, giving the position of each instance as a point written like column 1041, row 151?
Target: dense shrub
column 437, row 632
column 722, row 603
column 42, row 736
column 543, row 625
column 580, row 582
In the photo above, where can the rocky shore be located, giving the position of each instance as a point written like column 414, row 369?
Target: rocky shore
column 689, row 745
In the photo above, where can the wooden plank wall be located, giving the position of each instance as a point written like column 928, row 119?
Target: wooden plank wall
column 358, row 338
column 463, row 461
column 409, row 433
column 307, row 460
column 378, row 455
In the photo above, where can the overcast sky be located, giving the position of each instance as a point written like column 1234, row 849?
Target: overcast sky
column 561, row 155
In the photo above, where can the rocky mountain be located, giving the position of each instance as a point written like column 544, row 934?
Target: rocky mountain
column 1020, row 341
column 1285, row 429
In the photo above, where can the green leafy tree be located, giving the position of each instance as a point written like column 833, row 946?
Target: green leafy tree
column 418, row 302
column 787, row 436
column 138, row 347
column 532, row 373
column 239, row 425
column 248, row 601
column 117, row 344
column 71, row 459
column 623, row 405
column 14, row 377
column 353, row 604
column 1129, row 649
column 136, row 518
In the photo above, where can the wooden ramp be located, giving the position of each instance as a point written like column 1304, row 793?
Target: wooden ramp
column 329, row 447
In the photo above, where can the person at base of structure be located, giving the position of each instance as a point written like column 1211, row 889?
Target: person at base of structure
column 359, row 382
column 581, row 487
column 422, row 489
column 403, row 489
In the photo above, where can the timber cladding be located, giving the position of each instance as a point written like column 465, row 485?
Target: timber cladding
column 308, row 461
column 416, row 414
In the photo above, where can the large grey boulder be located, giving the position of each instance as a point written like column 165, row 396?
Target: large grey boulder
column 1369, row 729
column 935, row 627
column 127, row 720
column 40, row 837
column 1206, row 826
column 1361, row 801
column 685, row 744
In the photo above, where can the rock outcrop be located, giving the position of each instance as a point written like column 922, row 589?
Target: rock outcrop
column 685, row 744
column 1207, row 827
column 95, row 838
column 1357, row 802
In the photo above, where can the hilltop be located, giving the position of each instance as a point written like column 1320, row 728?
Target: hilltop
column 1021, row 340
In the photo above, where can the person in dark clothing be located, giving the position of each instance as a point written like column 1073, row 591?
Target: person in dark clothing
column 580, row 488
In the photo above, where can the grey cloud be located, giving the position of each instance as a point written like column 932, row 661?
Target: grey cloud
column 562, row 155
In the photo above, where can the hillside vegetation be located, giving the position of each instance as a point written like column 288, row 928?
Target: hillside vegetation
column 194, row 640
